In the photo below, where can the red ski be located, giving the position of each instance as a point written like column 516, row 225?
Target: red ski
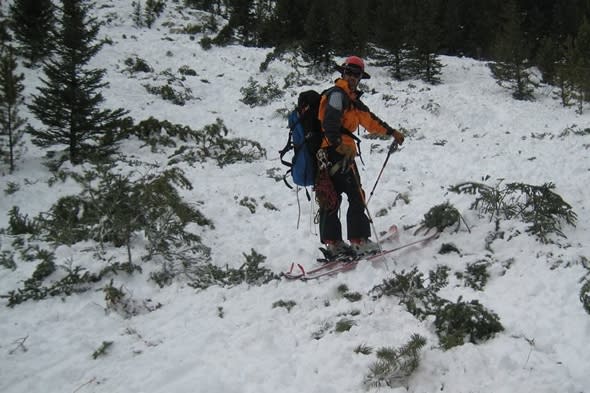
column 298, row 272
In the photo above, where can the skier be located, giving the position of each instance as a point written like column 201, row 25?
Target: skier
column 341, row 112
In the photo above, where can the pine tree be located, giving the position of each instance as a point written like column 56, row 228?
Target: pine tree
column 391, row 33
column 145, row 16
column 566, row 17
column 153, row 9
column 348, row 23
column 69, row 99
column 582, row 64
column 565, row 72
column 426, row 39
column 338, row 16
column 359, row 28
column 316, row 43
column 263, row 23
column 242, row 21
column 573, row 69
column 137, row 15
column 455, row 30
column 468, row 27
column 3, row 29
column 241, row 26
column 512, row 53
column 11, row 99
column 206, row 5
column 289, row 20
column 33, row 22
column 547, row 57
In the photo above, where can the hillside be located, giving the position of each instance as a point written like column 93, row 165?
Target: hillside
column 282, row 336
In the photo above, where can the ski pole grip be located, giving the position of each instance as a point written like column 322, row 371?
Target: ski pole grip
column 393, row 147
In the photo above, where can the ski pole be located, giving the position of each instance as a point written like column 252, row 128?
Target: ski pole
column 392, row 149
column 362, row 195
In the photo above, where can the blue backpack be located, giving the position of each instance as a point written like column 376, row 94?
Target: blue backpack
column 305, row 138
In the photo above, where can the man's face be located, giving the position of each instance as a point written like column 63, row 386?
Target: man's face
column 353, row 77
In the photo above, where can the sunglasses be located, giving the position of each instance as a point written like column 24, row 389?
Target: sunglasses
column 353, row 73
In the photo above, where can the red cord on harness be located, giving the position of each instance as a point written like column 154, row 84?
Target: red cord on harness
column 325, row 193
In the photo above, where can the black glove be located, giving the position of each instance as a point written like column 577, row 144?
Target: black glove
column 398, row 136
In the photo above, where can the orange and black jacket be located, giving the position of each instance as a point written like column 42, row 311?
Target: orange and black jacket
column 341, row 112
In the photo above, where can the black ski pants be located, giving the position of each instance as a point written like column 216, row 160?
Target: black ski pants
column 347, row 181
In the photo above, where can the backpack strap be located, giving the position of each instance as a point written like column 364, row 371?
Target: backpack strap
column 348, row 103
column 343, row 131
column 288, row 147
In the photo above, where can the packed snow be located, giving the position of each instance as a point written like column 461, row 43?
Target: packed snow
column 232, row 339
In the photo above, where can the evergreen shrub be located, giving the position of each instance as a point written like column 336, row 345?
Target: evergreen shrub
column 454, row 322
column 440, row 217
column 539, row 206
column 476, row 274
column 250, row 272
column 187, row 71
column 585, row 295
column 210, row 142
column 121, row 302
column 289, row 304
column 462, row 321
column 76, row 280
column 19, row 224
column 255, row 94
column 206, row 43
column 137, row 64
column 419, row 298
column 168, row 93
column 395, row 365
column 344, row 325
column 7, row 260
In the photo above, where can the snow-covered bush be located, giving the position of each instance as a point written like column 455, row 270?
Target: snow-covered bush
column 254, row 94
column 476, row 274
column 585, row 295
column 462, row 321
column 440, row 217
column 395, row 365
column 250, row 272
column 210, row 142
column 538, row 206
column 419, row 298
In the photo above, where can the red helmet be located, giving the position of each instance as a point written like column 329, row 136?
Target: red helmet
column 355, row 60
column 354, row 63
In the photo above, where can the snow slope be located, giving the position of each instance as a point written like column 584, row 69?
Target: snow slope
column 233, row 339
